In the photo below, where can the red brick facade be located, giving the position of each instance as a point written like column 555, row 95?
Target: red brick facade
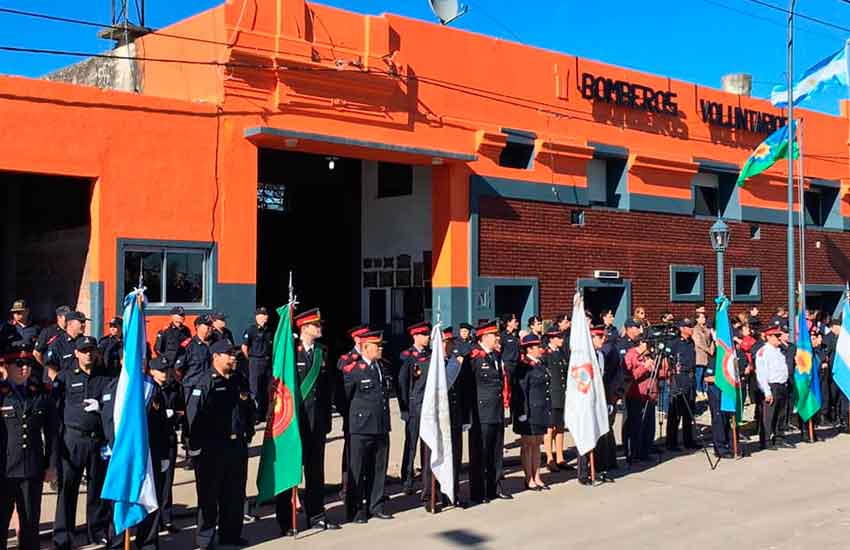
column 641, row 246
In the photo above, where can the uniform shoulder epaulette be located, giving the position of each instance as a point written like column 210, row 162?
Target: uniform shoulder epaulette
column 405, row 354
column 761, row 351
column 300, row 348
column 349, row 367
column 477, row 352
column 52, row 339
column 185, row 343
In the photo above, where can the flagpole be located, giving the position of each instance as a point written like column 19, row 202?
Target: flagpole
column 735, row 435
column 801, row 198
column 592, row 469
column 294, row 504
column 790, row 237
column 126, row 539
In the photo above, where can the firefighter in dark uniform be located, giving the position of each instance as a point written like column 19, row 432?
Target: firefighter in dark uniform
column 220, row 330
column 532, row 397
column 411, row 382
column 60, row 354
column 27, row 457
column 147, row 531
column 197, row 358
column 220, row 417
column 49, row 334
column 682, row 369
column 110, row 347
column 509, row 339
column 174, row 404
column 316, row 383
column 257, row 348
column 558, row 365
column 77, row 391
column 465, row 342
column 20, row 328
column 339, row 397
column 605, row 453
column 460, row 420
column 631, row 332
column 490, row 395
column 171, row 341
column 367, row 392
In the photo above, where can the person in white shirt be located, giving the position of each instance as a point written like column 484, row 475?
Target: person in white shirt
column 772, row 376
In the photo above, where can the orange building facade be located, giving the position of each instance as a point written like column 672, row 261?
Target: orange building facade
column 530, row 173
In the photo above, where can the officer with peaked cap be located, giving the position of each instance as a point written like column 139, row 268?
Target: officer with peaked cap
column 367, row 393
column 172, row 340
column 315, row 382
column 490, row 395
column 411, row 382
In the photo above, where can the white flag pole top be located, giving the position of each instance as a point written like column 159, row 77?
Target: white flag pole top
column 434, row 421
column 585, row 410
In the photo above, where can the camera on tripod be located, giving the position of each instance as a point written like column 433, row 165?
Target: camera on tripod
column 659, row 337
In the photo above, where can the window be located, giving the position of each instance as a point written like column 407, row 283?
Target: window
column 394, row 180
column 576, row 217
column 755, row 232
column 171, row 275
column 820, row 201
column 519, row 149
column 746, row 285
column 271, row 197
column 712, row 194
column 604, row 176
column 686, row 283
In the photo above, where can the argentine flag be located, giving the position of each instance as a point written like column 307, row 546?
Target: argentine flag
column 129, row 477
column 841, row 362
column 831, row 71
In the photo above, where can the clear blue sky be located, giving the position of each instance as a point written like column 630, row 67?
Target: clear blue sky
column 693, row 40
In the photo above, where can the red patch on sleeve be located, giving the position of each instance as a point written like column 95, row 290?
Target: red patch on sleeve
column 185, row 343
column 405, row 353
column 354, row 357
column 477, row 352
column 349, row 367
column 52, row 338
column 416, row 354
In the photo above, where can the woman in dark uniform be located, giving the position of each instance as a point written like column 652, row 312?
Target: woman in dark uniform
column 532, row 411
column 558, row 366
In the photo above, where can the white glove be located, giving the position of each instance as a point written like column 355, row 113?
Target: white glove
column 610, row 408
column 195, row 452
column 523, row 418
column 465, row 427
column 164, row 464
column 169, row 413
column 91, row 405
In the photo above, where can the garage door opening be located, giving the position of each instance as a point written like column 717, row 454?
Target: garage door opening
column 308, row 222
column 45, row 242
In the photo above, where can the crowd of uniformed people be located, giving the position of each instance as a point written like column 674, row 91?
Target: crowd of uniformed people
column 211, row 391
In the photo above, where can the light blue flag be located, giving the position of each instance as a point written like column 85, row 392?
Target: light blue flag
column 832, row 71
column 841, row 362
column 129, row 476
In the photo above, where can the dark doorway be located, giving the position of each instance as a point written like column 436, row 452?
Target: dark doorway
column 825, row 301
column 308, row 222
column 511, row 299
column 599, row 298
column 45, row 242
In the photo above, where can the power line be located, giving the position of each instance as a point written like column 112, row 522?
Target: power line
column 801, row 15
column 773, row 22
column 498, row 23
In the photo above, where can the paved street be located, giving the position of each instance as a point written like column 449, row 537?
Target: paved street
column 789, row 498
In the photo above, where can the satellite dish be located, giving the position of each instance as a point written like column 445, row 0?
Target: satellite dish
column 447, row 10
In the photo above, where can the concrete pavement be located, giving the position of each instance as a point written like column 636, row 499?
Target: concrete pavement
column 788, row 498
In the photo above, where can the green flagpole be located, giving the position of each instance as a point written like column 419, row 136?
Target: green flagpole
column 790, row 237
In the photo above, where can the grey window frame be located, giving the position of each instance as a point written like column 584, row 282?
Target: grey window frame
column 745, row 271
column 207, row 249
column 682, row 297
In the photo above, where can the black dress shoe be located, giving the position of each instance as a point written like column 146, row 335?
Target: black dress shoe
column 545, row 487
column 504, row 496
column 326, row 525
column 382, row 515
column 585, row 481
column 290, row 533
column 361, row 518
column 459, row 503
column 408, row 490
column 565, row 467
column 171, row 528
column 605, row 478
column 535, row 488
column 485, row 501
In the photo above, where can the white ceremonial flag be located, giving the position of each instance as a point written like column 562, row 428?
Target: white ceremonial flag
column 434, row 424
column 585, row 410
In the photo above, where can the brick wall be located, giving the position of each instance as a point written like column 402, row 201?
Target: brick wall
column 641, row 246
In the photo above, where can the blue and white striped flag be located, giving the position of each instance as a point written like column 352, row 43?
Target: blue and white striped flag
column 129, row 476
column 831, row 71
column 841, row 362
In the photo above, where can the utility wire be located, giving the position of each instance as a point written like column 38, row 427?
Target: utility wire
column 801, row 15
